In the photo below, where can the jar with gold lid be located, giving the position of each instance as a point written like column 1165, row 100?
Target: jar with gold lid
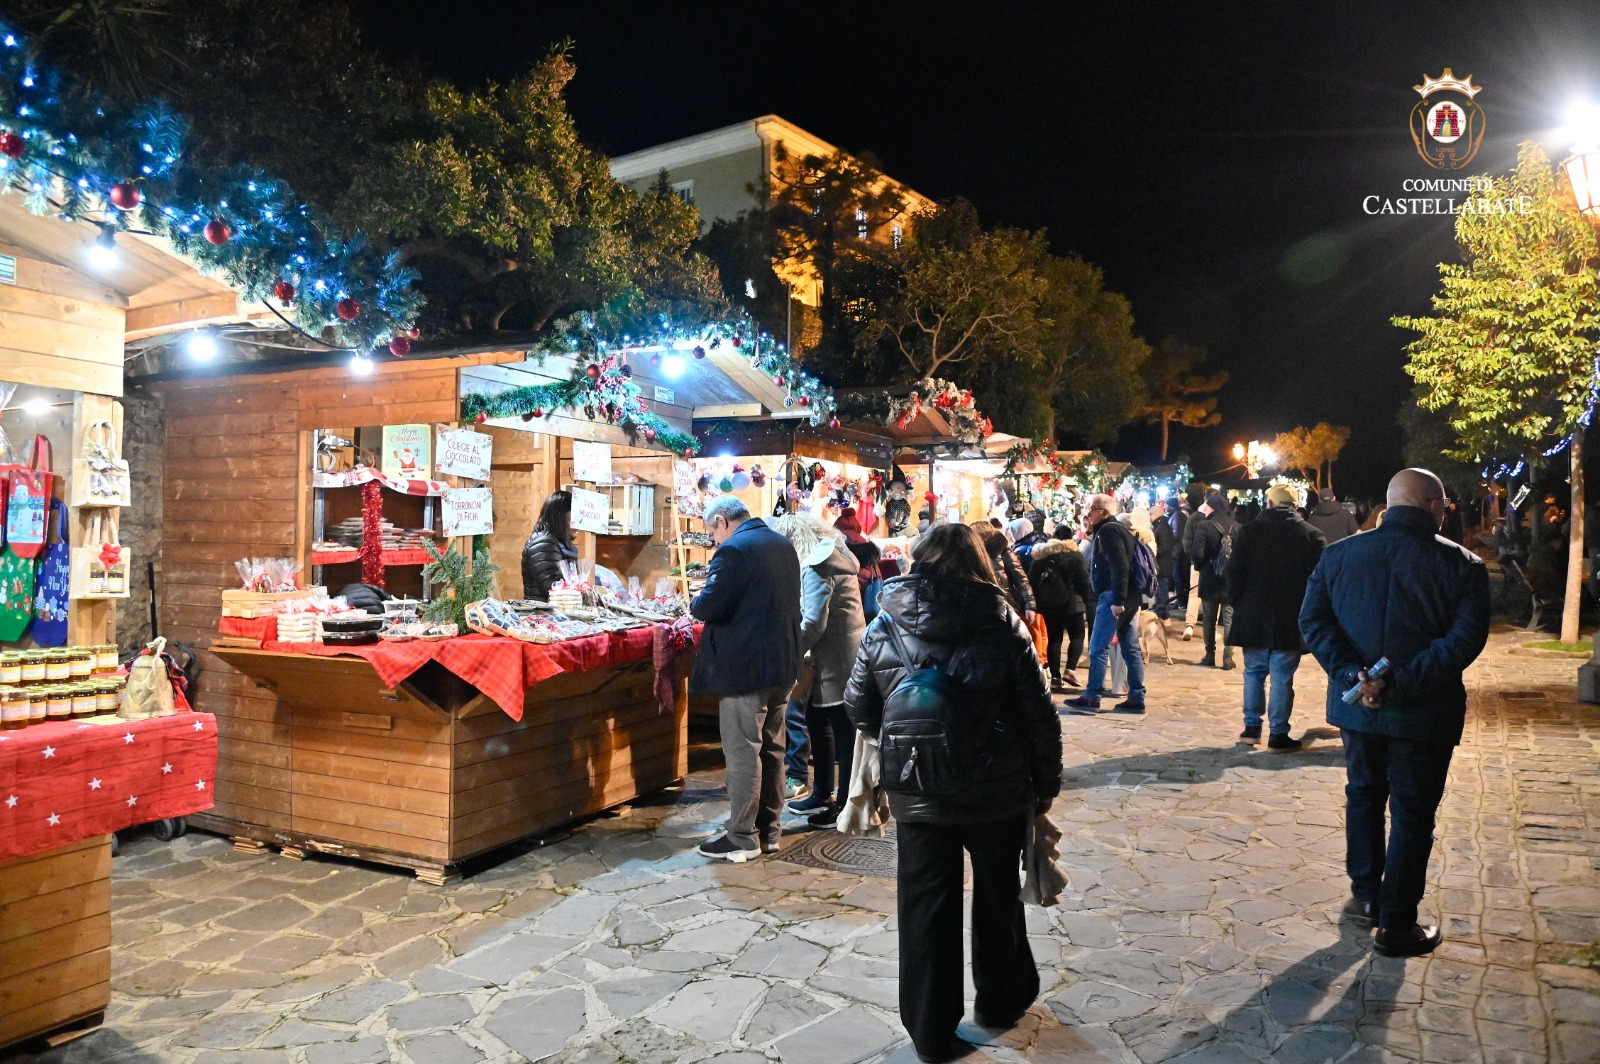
column 80, row 660
column 14, row 707
column 107, row 694
column 105, row 658
column 58, row 702
column 57, row 665
column 37, row 706
column 11, row 668
column 84, row 700
column 33, row 666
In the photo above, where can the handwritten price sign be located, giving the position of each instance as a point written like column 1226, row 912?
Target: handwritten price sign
column 468, row 512
column 464, row 453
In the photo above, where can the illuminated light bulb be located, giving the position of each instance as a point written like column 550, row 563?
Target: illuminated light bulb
column 673, row 366
column 103, row 252
column 37, row 407
column 361, row 365
column 201, row 346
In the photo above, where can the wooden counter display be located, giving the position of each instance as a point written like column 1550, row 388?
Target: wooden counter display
column 432, row 772
column 55, row 940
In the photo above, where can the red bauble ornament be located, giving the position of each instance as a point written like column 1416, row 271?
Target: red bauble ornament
column 805, row 400
column 538, row 412
column 480, row 419
column 689, row 453
column 699, row 352
column 284, row 291
column 125, row 195
column 217, row 232
column 834, row 423
column 593, row 372
column 778, row 380
column 655, row 360
column 413, row 332
column 11, row 145
column 399, row 346
column 649, row 433
column 738, row 341
column 347, row 308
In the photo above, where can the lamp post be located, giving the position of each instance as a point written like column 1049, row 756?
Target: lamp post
column 1583, row 173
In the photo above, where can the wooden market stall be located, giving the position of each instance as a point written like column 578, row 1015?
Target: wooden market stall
column 427, row 760
column 62, row 331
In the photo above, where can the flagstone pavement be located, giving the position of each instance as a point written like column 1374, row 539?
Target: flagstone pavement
column 1200, row 923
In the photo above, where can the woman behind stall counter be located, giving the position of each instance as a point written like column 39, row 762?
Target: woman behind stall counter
column 548, row 546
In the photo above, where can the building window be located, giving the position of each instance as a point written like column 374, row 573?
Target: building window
column 684, row 190
column 861, row 223
column 897, row 235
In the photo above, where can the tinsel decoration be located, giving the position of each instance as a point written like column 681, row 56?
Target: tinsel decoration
column 372, row 533
column 73, row 154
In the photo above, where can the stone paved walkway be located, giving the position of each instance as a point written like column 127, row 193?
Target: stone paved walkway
column 1200, row 924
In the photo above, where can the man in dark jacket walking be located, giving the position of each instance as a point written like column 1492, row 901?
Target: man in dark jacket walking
column 1404, row 593
column 1273, row 556
column 1166, row 549
column 1213, row 532
column 1332, row 520
column 749, row 655
column 1116, row 610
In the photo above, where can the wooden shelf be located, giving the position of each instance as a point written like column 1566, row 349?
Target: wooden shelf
column 390, row 557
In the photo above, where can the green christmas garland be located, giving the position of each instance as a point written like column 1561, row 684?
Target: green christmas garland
column 603, row 390
column 121, row 166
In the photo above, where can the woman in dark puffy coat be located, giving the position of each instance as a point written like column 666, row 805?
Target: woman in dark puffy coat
column 1062, row 591
column 950, row 610
column 548, row 546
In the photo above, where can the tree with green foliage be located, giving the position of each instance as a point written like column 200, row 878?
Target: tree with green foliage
column 1312, row 451
column 1175, row 393
column 1508, row 354
column 1091, row 361
column 1429, row 442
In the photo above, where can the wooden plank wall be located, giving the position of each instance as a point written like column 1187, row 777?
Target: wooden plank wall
column 58, row 328
column 236, row 470
column 524, row 473
column 55, row 938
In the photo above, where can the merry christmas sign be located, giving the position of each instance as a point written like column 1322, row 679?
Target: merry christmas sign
column 406, row 452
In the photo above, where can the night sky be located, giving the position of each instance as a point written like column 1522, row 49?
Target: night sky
column 1212, row 157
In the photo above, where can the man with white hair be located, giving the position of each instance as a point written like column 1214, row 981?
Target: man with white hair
column 1115, row 612
column 749, row 655
column 1404, row 593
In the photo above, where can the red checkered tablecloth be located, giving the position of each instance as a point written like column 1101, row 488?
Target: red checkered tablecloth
column 500, row 667
column 67, row 781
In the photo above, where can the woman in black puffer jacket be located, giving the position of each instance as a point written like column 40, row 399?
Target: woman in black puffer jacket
column 548, row 546
column 950, row 610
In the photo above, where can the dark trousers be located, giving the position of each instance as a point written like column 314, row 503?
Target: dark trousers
column 798, row 754
column 1211, row 612
column 1181, row 572
column 1408, row 777
column 832, row 745
column 1058, row 625
column 929, row 898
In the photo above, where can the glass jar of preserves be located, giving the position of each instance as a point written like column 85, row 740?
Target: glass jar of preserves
column 11, row 668
column 107, row 695
column 80, row 662
column 105, row 658
column 57, row 666
column 33, row 666
column 84, row 702
column 14, row 707
column 58, row 702
column 37, row 706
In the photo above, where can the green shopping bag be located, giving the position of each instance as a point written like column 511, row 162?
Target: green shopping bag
column 16, row 594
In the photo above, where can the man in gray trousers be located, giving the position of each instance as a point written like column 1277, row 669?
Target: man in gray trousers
column 749, row 656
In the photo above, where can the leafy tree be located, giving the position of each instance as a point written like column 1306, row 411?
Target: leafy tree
column 118, row 47
column 1175, row 394
column 1429, row 439
column 1090, row 359
column 1312, row 452
column 1509, row 352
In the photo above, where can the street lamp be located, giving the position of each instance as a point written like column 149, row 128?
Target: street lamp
column 1583, row 173
column 1583, row 166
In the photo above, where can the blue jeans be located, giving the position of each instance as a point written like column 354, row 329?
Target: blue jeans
column 797, row 759
column 1408, row 776
column 1127, row 633
column 1280, row 665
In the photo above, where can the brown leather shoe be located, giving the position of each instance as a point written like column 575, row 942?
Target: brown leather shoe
column 1413, row 941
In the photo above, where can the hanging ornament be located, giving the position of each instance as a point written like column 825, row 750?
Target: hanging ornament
column 347, row 308
column 627, row 370
column 284, row 292
column 588, row 411
column 655, row 360
column 649, row 433
column 11, row 145
column 805, row 400
column 688, row 452
column 758, row 476
column 716, row 342
column 788, row 401
column 699, row 352
column 592, row 372
column 217, row 232
column 725, row 485
column 738, row 341
column 124, row 195
column 778, row 380
column 741, row 479
column 480, row 419
column 834, row 423
column 413, row 332
column 399, row 346
column 538, row 412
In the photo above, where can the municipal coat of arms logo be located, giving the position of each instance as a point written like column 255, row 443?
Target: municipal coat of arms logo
column 1447, row 125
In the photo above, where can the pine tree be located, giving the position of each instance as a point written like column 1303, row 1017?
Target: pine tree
column 1175, row 394
column 454, row 588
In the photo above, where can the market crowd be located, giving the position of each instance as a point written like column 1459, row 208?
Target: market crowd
column 842, row 683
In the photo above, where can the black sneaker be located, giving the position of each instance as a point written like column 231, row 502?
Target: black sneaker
column 950, row 1050
column 723, row 848
column 1360, row 913
column 810, row 804
column 827, row 818
column 1251, row 735
column 771, row 845
column 1411, row 941
column 1283, row 742
column 1083, row 705
column 1130, row 707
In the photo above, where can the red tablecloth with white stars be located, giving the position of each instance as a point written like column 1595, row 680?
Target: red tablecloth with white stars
column 67, row 781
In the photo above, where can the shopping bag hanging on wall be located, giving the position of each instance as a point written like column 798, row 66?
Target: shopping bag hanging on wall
column 100, row 476
column 101, row 564
column 28, row 502
column 17, row 577
column 55, row 576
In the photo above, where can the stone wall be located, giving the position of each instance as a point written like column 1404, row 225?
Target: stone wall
column 143, row 443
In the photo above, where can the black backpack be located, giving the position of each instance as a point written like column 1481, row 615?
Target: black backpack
column 927, row 745
column 1219, row 560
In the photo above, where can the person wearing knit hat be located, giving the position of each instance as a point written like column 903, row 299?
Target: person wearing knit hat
column 1214, row 529
column 849, row 526
column 1273, row 557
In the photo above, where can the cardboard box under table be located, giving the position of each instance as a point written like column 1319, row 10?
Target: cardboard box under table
column 424, row 754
